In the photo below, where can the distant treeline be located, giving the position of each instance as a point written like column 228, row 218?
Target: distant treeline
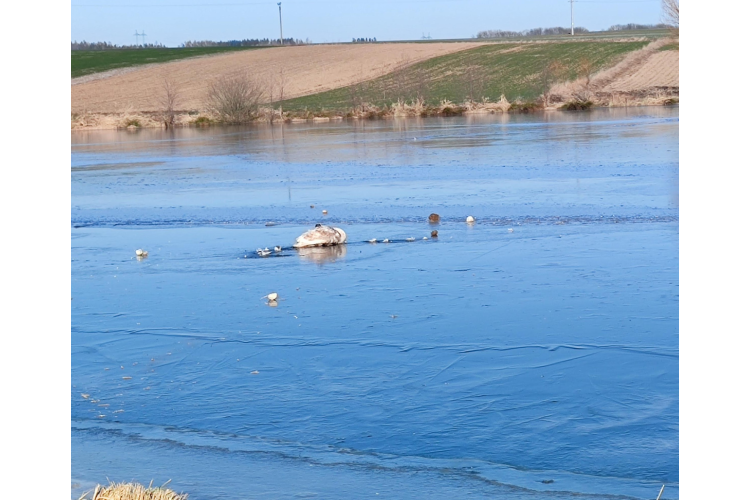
column 84, row 45
column 559, row 30
column 563, row 31
column 244, row 43
column 364, row 40
column 634, row 26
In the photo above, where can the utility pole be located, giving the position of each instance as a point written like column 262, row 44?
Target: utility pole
column 281, row 28
column 143, row 36
column 136, row 37
column 572, row 29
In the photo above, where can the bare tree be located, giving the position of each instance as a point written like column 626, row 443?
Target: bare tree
column 282, row 83
column 234, row 98
column 401, row 79
column 551, row 73
column 421, row 83
column 358, row 92
column 274, row 83
column 671, row 13
column 474, row 83
column 169, row 100
column 357, row 96
column 585, row 69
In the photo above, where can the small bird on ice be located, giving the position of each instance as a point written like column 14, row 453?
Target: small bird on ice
column 263, row 252
column 277, row 248
column 372, row 241
column 510, row 229
column 141, row 253
column 470, row 219
column 386, row 240
column 409, row 239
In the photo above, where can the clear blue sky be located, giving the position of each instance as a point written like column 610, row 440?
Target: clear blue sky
column 172, row 22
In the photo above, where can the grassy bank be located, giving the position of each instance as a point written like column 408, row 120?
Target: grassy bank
column 87, row 62
column 515, row 70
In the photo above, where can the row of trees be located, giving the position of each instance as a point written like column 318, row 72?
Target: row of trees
column 634, row 26
column 84, row 45
column 557, row 30
column 364, row 40
column 252, row 42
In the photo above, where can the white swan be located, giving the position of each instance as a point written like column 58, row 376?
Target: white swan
column 321, row 236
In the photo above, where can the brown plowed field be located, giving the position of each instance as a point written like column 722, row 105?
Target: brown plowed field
column 660, row 69
column 307, row 70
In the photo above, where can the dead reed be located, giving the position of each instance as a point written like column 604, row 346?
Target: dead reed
column 132, row 491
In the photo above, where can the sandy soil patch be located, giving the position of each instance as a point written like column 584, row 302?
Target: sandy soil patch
column 307, row 70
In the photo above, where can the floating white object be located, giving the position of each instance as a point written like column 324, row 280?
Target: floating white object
column 386, row 240
column 272, row 296
column 263, row 252
column 325, row 212
column 372, row 241
column 510, row 230
column 277, row 248
column 270, row 223
column 424, row 237
column 409, row 239
column 139, row 252
column 321, row 236
column 470, row 219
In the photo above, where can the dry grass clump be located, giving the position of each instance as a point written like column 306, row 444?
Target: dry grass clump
column 521, row 106
column 486, row 106
column 416, row 108
column 132, row 491
column 83, row 120
column 139, row 120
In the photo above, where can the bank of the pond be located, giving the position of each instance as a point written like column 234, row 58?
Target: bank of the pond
column 114, row 121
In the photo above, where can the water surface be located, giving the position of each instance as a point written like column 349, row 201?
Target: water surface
column 533, row 354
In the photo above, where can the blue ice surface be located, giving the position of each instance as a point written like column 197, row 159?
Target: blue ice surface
column 535, row 363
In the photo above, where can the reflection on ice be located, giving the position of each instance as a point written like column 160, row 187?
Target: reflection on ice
column 322, row 255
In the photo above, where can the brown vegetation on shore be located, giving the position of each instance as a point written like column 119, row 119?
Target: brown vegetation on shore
column 132, row 491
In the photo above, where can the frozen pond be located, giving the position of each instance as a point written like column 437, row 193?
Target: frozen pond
column 535, row 363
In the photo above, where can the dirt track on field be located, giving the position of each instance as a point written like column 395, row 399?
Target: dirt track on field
column 306, row 69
